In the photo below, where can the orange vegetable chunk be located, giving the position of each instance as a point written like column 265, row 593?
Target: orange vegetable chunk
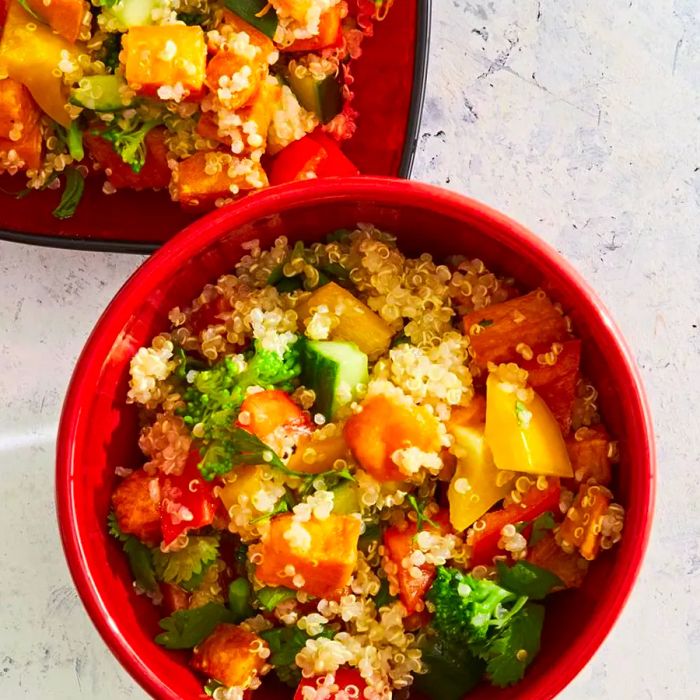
column 581, row 528
column 468, row 416
column 135, row 510
column 317, row 556
column 556, row 383
column 328, row 31
column 399, row 543
column 496, row 331
column 154, row 174
column 20, row 133
column 65, row 17
column 197, row 187
column 170, row 56
column 569, row 567
column 385, row 425
column 230, row 655
column 589, row 454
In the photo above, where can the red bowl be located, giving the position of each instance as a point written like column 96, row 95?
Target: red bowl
column 99, row 432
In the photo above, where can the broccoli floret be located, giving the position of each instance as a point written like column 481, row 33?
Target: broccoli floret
column 267, row 369
column 495, row 625
column 129, row 142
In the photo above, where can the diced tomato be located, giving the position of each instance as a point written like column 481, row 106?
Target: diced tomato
column 484, row 542
column 556, row 383
column 268, row 411
column 314, row 155
column 187, row 500
column 399, row 544
column 174, row 598
column 343, row 679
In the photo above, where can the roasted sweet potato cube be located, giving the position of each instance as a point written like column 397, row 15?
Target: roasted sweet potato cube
column 569, row 567
column 210, row 175
column 383, row 427
column 208, row 128
column 168, row 61
column 18, row 111
column 231, row 655
column 556, row 383
column 154, row 174
column 65, row 17
column 317, row 556
column 24, row 154
column 328, row 32
column 582, row 525
column 231, row 77
column 136, row 511
column 589, row 452
column 496, row 331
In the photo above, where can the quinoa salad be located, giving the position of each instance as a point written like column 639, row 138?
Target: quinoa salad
column 207, row 99
column 365, row 473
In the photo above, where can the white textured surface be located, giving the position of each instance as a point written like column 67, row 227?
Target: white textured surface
column 578, row 118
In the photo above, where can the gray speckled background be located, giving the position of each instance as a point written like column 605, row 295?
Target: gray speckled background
column 577, row 117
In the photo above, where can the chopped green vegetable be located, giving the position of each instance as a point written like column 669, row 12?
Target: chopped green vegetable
column 72, row 194
column 211, row 686
column 271, row 596
column 259, row 13
column 522, row 413
column 339, row 235
column 452, row 670
column 74, row 140
column 186, row 566
column 370, row 537
column 540, row 526
column 25, row 6
column 421, row 517
column 285, row 643
column 400, row 339
column 495, row 624
column 111, row 48
column 383, row 596
column 185, row 629
column 485, row 322
column 138, row 554
column 524, row 578
column 239, row 597
column 129, row 142
column 191, row 19
column 515, row 647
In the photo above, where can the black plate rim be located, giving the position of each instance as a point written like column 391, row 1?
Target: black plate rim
column 420, row 75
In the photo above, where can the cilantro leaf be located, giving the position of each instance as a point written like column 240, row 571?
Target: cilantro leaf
column 515, row 646
column 185, row 629
column 286, row 642
column 72, row 194
column 138, row 554
column 540, row 525
column 421, row 517
column 383, row 596
column 271, row 596
column 527, row 579
column 182, row 566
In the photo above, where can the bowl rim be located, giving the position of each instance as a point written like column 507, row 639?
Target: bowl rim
column 271, row 201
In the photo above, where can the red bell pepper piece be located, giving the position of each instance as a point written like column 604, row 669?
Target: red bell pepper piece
column 400, row 544
column 344, row 678
column 267, row 411
column 316, row 155
column 187, row 500
column 484, row 542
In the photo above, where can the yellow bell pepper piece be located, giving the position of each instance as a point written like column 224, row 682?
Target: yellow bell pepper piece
column 357, row 322
column 30, row 53
column 521, row 431
column 245, row 481
column 477, row 484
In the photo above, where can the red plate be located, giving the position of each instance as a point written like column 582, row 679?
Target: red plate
column 389, row 86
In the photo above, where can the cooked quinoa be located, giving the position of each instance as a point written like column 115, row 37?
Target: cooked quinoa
column 188, row 96
column 360, row 469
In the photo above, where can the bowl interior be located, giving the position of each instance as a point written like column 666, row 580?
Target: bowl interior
column 99, row 432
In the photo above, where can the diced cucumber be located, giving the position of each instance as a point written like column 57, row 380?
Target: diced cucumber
column 333, row 369
column 101, row 93
column 321, row 96
column 132, row 13
column 346, row 499
column 255, row 13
